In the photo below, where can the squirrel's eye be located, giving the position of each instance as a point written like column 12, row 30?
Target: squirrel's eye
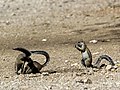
column 79, row 45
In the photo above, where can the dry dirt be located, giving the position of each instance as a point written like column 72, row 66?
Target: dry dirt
column 55, row 26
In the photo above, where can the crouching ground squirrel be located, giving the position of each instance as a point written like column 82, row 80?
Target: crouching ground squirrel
column 25, row 65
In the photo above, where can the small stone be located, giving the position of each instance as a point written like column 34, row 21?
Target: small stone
column 21, row 77
column 85, row 88
column 107, row 76
column 4, row 59
column 118, row 64
column 81, row 81
column 45, row 74
column 7, row 23
column 104, row 40
column 112, row 69
column 95, row 69
column 108, row 67
column 80, row 74
column 75, row 64
column 94, row 88
column 65, row 1
column 13, row 14
column 115, row 67
column 50, row 87
column 93, row 41
column 66, row 61
column 87, row 81
column 96, row 53
column 6, row 77
column 108, row 40
column 44, row 40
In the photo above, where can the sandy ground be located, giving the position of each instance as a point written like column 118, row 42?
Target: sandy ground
column 55, row 26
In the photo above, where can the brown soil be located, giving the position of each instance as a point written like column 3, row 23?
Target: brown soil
column 61, row 23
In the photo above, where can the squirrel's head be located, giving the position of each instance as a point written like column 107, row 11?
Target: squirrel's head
column 81, row 46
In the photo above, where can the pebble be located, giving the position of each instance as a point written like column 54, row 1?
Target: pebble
column 13, row 14
column 85, row 81
column 7, row 23
column 45, row 74
column 93, row 41
column 81, row 81
column 96, row 53
column 115, row 67
column 118, row 65
column 95, row 69
column 75, row 64
column 80, row 74
column 107, row 76
column 66, row 61
column 108, row 67
column 112, row 69
column 108, row 40
column 44, row 40
column 85, row 88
